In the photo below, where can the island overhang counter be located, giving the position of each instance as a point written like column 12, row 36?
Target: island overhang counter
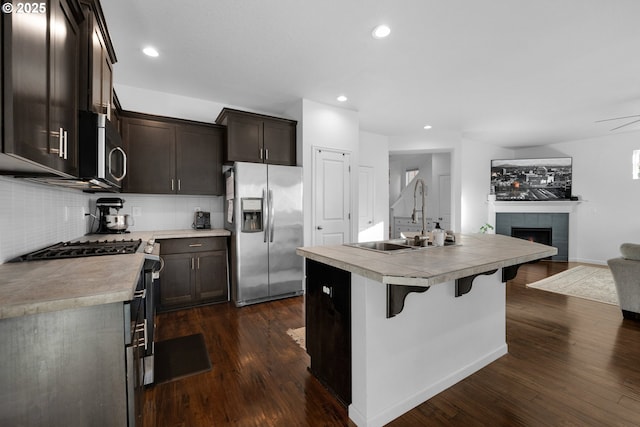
column 418, row 321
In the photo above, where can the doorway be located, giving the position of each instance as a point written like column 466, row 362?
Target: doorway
column 435, row 169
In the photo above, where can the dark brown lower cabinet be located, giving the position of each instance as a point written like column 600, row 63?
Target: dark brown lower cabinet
column 195, row 272
column 328, row 327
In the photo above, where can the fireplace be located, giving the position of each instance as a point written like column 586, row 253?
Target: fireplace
column 541, row 227
column 537, row 234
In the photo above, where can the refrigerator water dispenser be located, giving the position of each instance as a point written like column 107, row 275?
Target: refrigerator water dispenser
column 251, row 212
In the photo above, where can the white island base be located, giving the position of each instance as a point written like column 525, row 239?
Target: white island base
column 437, row 340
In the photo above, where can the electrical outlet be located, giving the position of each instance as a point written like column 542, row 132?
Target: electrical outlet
column 136, row 211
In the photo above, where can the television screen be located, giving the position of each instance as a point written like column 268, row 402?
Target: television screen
column 531, row 179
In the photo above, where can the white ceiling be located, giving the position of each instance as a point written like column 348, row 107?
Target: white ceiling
column 508, row 72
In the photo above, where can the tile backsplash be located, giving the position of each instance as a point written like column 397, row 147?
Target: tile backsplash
column 165, row 212
column 35, row 215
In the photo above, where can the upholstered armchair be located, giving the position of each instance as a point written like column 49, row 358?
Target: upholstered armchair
column 626, row 275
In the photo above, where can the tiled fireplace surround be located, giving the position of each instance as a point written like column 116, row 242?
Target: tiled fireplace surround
column 555, row 215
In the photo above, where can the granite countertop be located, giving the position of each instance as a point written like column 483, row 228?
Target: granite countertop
column 473, row 254
column 43, row 286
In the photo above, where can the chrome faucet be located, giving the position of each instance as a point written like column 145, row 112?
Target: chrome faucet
column 424, row 202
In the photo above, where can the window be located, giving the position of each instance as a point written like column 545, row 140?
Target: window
column 409, row 175
column 636, row 164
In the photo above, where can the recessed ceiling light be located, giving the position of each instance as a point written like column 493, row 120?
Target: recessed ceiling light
column 150, row 51
column 342, row 98
column 381, row 31
column 427, row 126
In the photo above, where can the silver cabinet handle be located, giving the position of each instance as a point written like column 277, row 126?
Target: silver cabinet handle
column 195, row 245
column 171, row 184
column 198, row 263
column 192, row 264
column 124, row 163
column 60, row 143
column 64, row 145
column 261, row 154
column 179, row 186
column 266, row 153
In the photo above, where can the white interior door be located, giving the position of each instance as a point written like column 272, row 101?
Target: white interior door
column 331, row 197
column 365, row 197
column 444, row 188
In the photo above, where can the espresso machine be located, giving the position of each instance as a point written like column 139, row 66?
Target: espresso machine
column 109, row 223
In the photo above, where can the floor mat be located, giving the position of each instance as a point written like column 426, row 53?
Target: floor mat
column 180, row 357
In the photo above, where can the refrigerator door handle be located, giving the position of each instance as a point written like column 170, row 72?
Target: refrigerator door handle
column 265, row 209
column 272, row 214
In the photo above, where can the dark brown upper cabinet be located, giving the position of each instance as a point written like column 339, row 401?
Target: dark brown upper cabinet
column 40, row 89
column 258, row 138
column 172, row 156
column 97, row 57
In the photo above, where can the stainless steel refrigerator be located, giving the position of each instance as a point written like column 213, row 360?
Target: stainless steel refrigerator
column 263, row 211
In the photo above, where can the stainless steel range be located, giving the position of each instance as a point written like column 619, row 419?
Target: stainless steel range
column 139, row 313
column 82, row 249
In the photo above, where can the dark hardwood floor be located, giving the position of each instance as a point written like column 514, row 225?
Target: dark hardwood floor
column 571, row 362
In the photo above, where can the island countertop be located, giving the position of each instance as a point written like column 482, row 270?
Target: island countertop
column 473, row 254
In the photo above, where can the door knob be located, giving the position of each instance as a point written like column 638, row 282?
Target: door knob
column 319, row 227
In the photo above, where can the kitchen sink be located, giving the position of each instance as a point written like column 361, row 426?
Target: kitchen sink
column 395, row 245
column 385, row 246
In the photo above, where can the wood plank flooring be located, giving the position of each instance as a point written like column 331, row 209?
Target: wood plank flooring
column 571, row 362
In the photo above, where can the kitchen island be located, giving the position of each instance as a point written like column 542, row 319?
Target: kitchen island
column 417, row 321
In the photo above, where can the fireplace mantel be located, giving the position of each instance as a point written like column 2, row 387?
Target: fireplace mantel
column 559, row 206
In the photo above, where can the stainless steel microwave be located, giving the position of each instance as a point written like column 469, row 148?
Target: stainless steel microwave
column 102, row 159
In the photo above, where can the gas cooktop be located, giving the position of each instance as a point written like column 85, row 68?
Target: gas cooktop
column 82, row 249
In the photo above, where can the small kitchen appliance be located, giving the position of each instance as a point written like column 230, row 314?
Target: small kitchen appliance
column 109, row 223
column 202, row 220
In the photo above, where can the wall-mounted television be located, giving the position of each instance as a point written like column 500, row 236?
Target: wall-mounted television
column 531, row 179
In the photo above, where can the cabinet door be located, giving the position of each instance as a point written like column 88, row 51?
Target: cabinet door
column 107, row 85
column 244, row 139
column 28, row 35
column 199, row 159
column 101, row 75
column 63, row 95
column 328, row 321
column 97, row 47
column 211, row 277
column 150, row 147
column 279, row 142
column 177, row 280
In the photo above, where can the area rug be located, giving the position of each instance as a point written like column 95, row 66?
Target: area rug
column 592, row 283
column 180, row 357
column 298, row 336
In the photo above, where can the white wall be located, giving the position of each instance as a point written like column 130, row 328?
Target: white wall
column 374, row 152
column 398, row 165
column 167, row 104
column 476, row 179
column 334, row 128
column 602, row 178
